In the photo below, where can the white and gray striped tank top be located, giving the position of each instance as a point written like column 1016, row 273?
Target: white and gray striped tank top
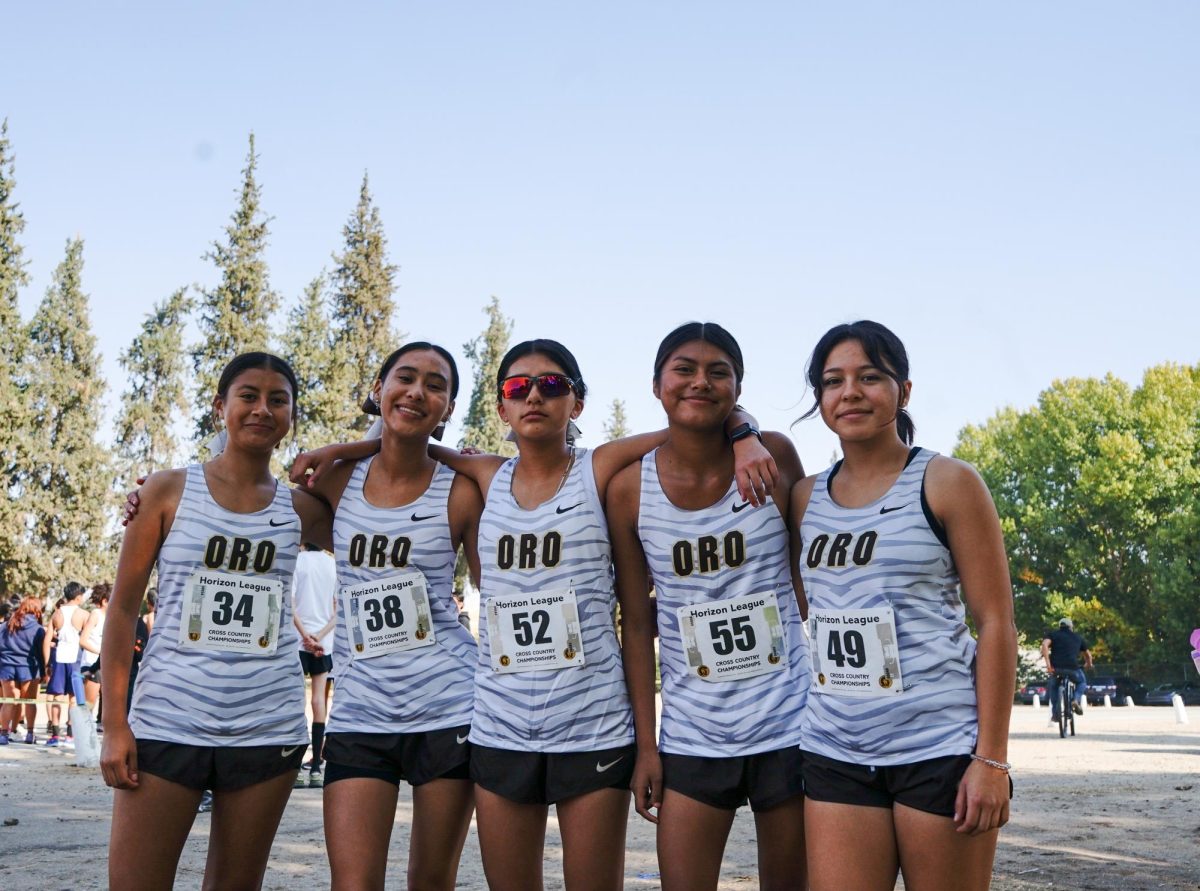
column 888, row 554
column 560, row 544
column 427, row 688
column 698, row 556
column 211, row 698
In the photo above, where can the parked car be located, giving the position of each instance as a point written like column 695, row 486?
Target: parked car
column 1025, row 694
column 1115, row 687
column 1162, row 694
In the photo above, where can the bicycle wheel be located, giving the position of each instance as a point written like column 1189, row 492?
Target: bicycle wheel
column 1071, row 711
column 1064, row 706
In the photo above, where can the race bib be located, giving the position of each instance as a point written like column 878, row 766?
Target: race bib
column 854, row 652
column 388, row 615
column 534, row 632
column 231, row 613
column 736, row 638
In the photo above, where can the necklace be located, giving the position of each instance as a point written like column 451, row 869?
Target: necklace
column 566, row 470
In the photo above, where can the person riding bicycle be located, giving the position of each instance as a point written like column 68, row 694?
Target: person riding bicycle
column 1061, row 650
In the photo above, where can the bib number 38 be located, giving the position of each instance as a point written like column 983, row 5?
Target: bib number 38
column 388, row 616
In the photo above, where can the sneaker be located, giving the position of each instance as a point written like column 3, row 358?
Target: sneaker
column 3, row 739
column 205, row 803
column 1077, row 708
column 301, row 781
column 30, row 739
column 52, row 741
column 315, row 780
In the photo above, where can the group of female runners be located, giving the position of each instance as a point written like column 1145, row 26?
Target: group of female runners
column 874, row 739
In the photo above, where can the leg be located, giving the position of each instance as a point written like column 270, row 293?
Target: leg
column 837, row 835
column 91, row 692
column 54, row 710
column 1052, row 695
column 29, row 690
column 359, row 813
column 1081, row 685
column 934, row 857
column 512, row 837
column 243, row 826
column 319, row 698
column 781, row 861
column 593, row 838
column 157, row 809
column 8, row 711
column 77, row 689
column 441, row 817
column 691, row 842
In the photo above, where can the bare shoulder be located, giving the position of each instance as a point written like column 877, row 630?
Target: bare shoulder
column 163, row 487
column 308, row 506
column 464, row 494
column 624, row 492
column 801, row 493
column 949, row 481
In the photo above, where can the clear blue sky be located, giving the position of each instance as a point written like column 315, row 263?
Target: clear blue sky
column 1014, row 189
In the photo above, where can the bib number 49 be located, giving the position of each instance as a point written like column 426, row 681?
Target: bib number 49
column 846, row 648
column 732, row 634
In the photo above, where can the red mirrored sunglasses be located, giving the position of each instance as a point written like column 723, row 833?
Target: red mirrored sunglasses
column 550, row 386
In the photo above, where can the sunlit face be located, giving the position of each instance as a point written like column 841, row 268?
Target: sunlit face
column 538, row 416
column 415, row 397
column 698, row 385
column 859, row 401
column 257, row 409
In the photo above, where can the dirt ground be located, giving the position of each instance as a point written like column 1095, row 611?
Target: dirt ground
column 1117, row 807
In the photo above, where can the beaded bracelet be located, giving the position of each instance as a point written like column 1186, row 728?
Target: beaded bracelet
column 999, row 765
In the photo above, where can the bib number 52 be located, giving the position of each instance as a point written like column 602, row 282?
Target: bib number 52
column 523, row 627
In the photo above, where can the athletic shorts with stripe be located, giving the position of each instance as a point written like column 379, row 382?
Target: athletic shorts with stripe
column 415, row 757
column 549, row 777
column 764, row 779
column 217, row 768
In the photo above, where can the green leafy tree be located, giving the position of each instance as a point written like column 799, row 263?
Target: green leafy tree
column 617, row 425
column 15, row 429
column 235, row 314
column 1095, row 486
column 67, row 480
column 362, row 312
column 308, row 347
column 155, row 394
column 482, row 427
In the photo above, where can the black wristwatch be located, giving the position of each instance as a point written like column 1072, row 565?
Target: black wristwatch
column 742, row 431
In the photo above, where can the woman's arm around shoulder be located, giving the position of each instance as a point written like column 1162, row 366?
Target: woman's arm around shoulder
column 960, row 500
column 309, row 467
column 465, row 507
column 637, row 634
column 480, row 468
column 316, row 518
column 144, row 536
column 797, row 504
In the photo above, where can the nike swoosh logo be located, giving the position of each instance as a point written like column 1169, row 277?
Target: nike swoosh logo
column 282, row 523
column 417, row 519
column 287, row 753
column 600, row 768
column 563, row 510
column 460, row 739
column 742, row 506
column 888, row 510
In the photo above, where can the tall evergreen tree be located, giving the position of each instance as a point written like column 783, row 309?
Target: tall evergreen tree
column 482, row 427
column 307, row 345
column 15, row 428
column 155, row 391
column 617, row 425
column 234, row 315
column 67, row 479
column 362, row 310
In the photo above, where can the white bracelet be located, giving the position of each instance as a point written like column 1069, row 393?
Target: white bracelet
column 999, row 765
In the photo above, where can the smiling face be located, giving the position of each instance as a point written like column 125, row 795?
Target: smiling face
column 698, row 385
column 859, row 401
column 538, row 416
column 415, row 396
column 256, row 409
